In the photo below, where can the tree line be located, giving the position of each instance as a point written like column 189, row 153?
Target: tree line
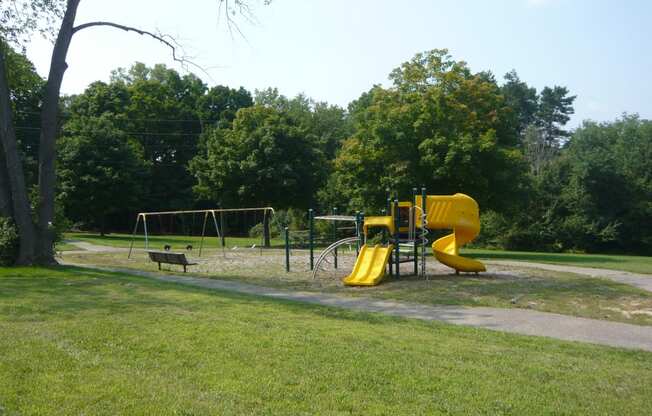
column 152, row 139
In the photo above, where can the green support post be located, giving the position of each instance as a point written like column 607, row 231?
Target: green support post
column 389, row 237
column 287, row 249
column 425, row 216
column 415, row 254
column 388, row 211
column 223, row 227
column 266, row 233
column 397, row 248
column 335, row 238
column 358, row 233
column 311, row 237
column 423, row 200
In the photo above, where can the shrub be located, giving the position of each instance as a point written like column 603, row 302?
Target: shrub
column 493, row 229
column 8, row 242
column 257, row 230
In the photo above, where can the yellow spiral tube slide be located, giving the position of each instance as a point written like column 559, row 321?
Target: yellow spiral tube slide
column 460, row 213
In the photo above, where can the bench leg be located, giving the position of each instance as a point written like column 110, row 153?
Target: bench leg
column 184, row 268
column 159, row 265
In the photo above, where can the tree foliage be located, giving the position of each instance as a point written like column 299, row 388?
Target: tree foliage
column 165, row 114
column 267, row 157
column 152, row 139
column 539, row 119
column 439, row 126
column 595, row 196
column 102, row 170
column 19, row 19
column 26, row 91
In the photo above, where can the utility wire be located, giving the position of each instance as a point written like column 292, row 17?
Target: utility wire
column 142, row 133
column 127, row 119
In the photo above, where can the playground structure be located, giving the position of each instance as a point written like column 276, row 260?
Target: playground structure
column 403, row 231
column 220, row 225
column 407, row 228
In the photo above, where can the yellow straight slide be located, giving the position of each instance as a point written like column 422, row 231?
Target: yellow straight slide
column 370, row 266
column 460, row 213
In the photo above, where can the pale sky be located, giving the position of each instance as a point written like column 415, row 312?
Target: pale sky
column 333, row 50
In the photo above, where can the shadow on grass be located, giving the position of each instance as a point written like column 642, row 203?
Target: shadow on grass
column 40, row 294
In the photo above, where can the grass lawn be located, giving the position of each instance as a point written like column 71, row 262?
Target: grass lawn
column 80, row 342
column 634, row 264
column 504, row 287
column 177, row 242
column 66, row 247
column 544, row 291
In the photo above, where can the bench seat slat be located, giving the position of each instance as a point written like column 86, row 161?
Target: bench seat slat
column 169, row 258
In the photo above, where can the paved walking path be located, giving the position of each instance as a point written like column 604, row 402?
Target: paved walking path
column 95, row 248
column 642, row 281
column 520, row 321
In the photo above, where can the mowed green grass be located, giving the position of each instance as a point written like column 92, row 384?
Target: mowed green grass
column 176, row 242
column 83, row 342
column 542, row 290
column 555, row 292
column 66, row 247
column 634, row 264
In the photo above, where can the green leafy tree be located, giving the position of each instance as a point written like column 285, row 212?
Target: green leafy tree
column 18, row 21
column 555, row 109
column 219, row 105
column 166, row 113
column 162, row 114
column 26, row 93
column 547, row 134
column 266, row 158
column 522, row 99
column 609, row 188
column 99, row 98
column 328, row 124
column 331, row 125
column 440, row 126
column 595, row 196
column 101, row 170
column 539, row 119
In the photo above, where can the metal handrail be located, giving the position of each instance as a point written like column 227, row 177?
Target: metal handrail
column 331, row 248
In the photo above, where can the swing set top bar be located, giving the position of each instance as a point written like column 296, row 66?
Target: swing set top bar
column 198, row 211
column 144, row 216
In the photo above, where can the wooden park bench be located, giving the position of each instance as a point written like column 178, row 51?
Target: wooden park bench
column 169, row 258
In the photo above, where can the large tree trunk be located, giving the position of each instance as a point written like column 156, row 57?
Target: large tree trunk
column 13, row 167
column 47, row 150
column 102, row 224
column 5, row 188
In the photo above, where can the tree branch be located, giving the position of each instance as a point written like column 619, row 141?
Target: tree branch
column 231, row 8
column 167, row 40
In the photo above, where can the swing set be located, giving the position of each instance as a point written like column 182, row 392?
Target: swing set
column 216, row 215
